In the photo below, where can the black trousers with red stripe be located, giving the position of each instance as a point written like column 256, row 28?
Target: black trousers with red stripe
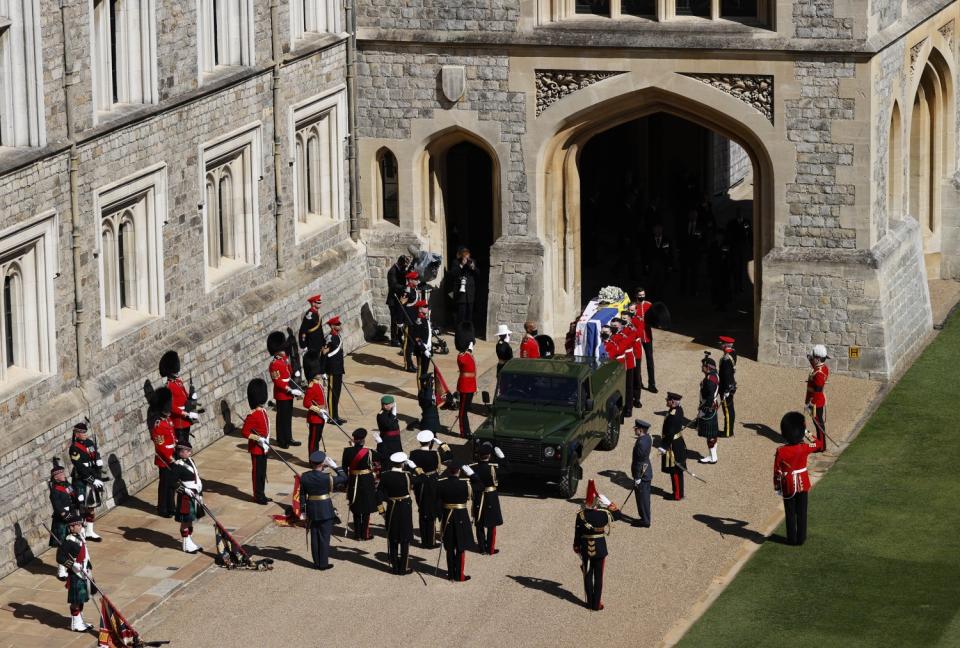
column 259, row 474
column 593, row 580
column 676, row 480
column 465, row 400
column 486, row 538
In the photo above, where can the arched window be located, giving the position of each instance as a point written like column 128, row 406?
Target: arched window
column 111, row 280
column 127, row 261
column 213, row 223
column 312, row 173
column 389, row 186
column 226, row 216
column 895, row 165
column 13, row 332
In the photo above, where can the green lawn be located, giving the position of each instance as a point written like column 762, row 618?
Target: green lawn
column 881, row 565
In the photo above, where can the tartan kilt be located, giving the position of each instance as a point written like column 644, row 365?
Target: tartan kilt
column 92, row 497
column 187, row 509
column 709, row 427
column 59, row 532
column 77, row 590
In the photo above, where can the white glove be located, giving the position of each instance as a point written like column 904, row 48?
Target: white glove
column 377, row 438
column 296, row 374
column 77, row 568
column 79, row 498
column 324, row 415
column 265, row 443
column 426, row 353
column 97, row 483
column 661, row 451
column 296, row 393
column 468, row 471
column 637, row 481
column 604, row 500
column 193, row 396
column 193, row 416
column 189, row 492
column 100, row 462
column 412, row 465
column 330, row 462
column 779, row 493
column 498, row 452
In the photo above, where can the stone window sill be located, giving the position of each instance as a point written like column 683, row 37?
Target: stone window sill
column 314, row 226
column 19, row 380
column 130, row 320
column 228, row 268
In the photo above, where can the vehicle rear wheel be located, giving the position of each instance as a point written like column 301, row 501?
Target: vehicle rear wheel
column 570, row 480
column 612, row 435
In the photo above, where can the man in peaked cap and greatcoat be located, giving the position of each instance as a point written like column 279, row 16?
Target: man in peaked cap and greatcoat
column 409, row 311
column 362, row 488
column 181, row 417
column 311, row 336
column 396, row 284
column 395, row 503
column 454, row 493
column 728, row 384
column 486, row 499
column 429, row 458
column 64, row 504
column 673, row 449
column 642, row 470
column 256, row 430
column 316, row 492
column 87, row 476
column 283, row 390
column 333, row 362
column 313, row 400
column 590, row 533
column 164, row 442
column 790, row 477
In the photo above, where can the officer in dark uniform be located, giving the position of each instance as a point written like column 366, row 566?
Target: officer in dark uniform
column 361, row 489
column 642, row 471
column 728, row 384
column 408, row 302
column 707, row 424
column 673, row 449
column 394, row 495
column 64, row 504
column 316, row 492
column 453, row 495
column 419, row 339
column 333, row 364
column 388, row 426
column 428, row 457
column 590, row 542
column 311, row 337
column 87, row 477
column 396, row 283
column 486, row 500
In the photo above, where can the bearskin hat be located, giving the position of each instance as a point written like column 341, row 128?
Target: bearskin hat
column 162, row 400
column 169, row 364
column 312, row 364
column 659, row 315
column 276, row 342
column 256, row 393
column 464, row 336
column 793, row 425
column 546, row 345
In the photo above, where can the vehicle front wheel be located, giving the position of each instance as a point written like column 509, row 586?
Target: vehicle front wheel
column 570, row 480
column 612, row 434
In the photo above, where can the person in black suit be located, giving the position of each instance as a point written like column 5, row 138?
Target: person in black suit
column 396, row 286
column 316, row 504
column 463, row 278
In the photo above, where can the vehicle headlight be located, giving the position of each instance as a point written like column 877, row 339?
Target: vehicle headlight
column 548, row 451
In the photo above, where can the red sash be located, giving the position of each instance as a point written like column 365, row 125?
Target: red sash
column 89, row 451
column 63, row 489
column 359, row 457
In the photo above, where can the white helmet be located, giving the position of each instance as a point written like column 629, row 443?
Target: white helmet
column 819, row 351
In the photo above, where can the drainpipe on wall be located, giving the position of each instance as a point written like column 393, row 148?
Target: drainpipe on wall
column 69, row 80
column 353, row 164
column 277, row 53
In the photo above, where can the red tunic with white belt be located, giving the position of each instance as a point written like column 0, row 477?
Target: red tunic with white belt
column 816, row 381
column 313, row 396
column 179, row 397
column 164, row 442
column 467, row 382
column 280, row 373
column 790, row 474
column 256, row 423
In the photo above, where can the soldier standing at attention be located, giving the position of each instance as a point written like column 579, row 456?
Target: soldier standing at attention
column 646, row 337
column 361, row 489
column 182, row 419
column 707, row 425
column 388, row 426
column 64, row 504
column 728, row 384
column 590, row 542
column 642, row 470
column 313, row 400
column 189, row 495
column 396, row 282
column 74, row 556
column 394, row 494
column 256, row 429
column 420, row 339
column 333, row 361
column 316, row 492
column 283, row 391
column 790, row 478
column 429, row 459
column 453, row 494
column 486, row 500
column 408, row 302
column 636, row 336
column 503, row 348
column 626, row 358
column 311, row 335
column 816, row 399
column 673, row 448
column 528, row 345
column 87, row 471
column 164, row 443
column 467, row 381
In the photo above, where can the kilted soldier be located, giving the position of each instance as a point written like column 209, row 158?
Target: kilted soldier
column 467, row 380
column 283, row 390
column 453, row 495
column 313, row 400
column 86, row 476
column 428, row 458
column 673, row 448
column 311, row 336
column 395, row 503
column 179, row 414
column 790, row 477
column 189, row 494
column 333, row 363
column 256, row 430
column 164, row 442
column 590, row 541
column 529, row 348
column 486, row 500
column 707, row 425
column 316, row 493
column 816, row 399
column 64, row 504
column 728, row 384
column 361, row 488
column 642, row 470
column 408, row 302
column 396, row 284
column 388, row 427
column 74, row 556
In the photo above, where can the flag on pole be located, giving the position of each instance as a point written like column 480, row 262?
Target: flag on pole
column 295, row 497
column 441, row 390
column 115, row 632
column 229, row 553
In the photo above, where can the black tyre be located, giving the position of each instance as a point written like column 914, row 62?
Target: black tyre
column 570, row 480
column 612, row 435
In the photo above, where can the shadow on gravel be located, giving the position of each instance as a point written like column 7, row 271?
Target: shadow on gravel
column 384, row 388
column 371, row 360
column 553, row 588
column 731, row 527
column 30, row 612
column 765, row 431
column 156, row 538
column 357, row 557
column 227, row 490
column 280, row 554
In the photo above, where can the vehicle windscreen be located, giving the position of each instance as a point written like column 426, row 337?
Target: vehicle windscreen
column 547, row 390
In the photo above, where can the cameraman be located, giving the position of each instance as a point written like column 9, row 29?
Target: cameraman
column 464, row 284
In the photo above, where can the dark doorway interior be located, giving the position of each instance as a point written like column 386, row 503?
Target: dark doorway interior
column 468, row 204
column 667, row 204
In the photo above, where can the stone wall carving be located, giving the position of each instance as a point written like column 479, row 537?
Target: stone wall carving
column 915, row 52
column 755, row 90
column 554, row 85
column 947, row 32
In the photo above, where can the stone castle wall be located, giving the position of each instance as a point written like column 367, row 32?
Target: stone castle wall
column 466, row 15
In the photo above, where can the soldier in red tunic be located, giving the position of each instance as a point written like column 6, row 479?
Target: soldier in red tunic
column 790, row 478
column 283, row 390
column 635, row 334
column 528, row 345
column 164, row 441
column 610, row 345
column 256, row 430
column 181, row 417
column 643, row 324
column 313, row 400
column 816, row 400
column 467, row 381
column 625, row 342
